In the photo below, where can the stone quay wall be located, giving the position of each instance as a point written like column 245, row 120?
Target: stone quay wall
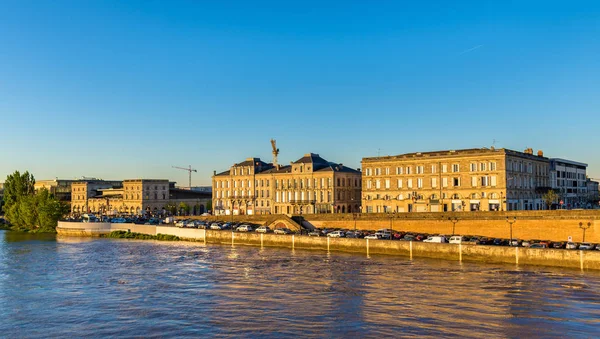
column 584, row 260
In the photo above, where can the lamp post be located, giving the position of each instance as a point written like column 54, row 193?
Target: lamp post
column 354, row 216
column 453, row 220
column 584, row 227
column 392, row 215
column 510, row 223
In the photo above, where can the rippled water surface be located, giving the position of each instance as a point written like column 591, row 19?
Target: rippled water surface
column 81, row 287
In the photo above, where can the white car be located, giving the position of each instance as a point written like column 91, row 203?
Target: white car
column 180, row 223
column 373, row 236
column 435, row 239
column 215, row 226
column 571, row 246
column 456, row 239
column 263, row 229
column 244, row 228
column 586, row 246
column 282, row 231
column 336, row 234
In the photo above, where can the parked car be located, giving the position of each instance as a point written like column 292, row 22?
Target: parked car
column 408, row 237
column 526, row 243
column 559, row 244
column 571, row 246
column 192, row 224
column 499, row 242
column 315, row 233
column 180, row 223
column 384, row 233
column 282, row 231
column 374, row 236
column 336, row 234
column 456, row 239
column 244, row 228
column 586, row 246
column 215, row 226
column 263, row 229
column 514, row 242
column 436, row 239
column 352, row 234
column 538, row 245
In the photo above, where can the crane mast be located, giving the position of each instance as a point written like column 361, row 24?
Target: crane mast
column 190, row 170
column 275, row 151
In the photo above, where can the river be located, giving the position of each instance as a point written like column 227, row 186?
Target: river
column 83, row 287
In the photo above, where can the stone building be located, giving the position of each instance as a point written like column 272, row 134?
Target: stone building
column 457, row 180
column 306, row 186
column 59, row 188
column 593, row 194
column 135, row 197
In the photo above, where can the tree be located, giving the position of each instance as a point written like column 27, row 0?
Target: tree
column 184, row 208
column 209, row 206
column 550, row 198
column 16, row 187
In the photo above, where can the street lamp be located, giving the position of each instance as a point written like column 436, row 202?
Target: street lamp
column 392, row 215
column 584, row 227
column 510, row 223
column 453, row 220
column 354, row 216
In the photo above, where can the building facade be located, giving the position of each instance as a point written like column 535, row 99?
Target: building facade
column 593, row 194
column 568, row 179
column 136, row 197
column 309, row 185
column 458, row 180
column 59, row 188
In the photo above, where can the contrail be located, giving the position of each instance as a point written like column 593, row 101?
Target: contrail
column 470, row 49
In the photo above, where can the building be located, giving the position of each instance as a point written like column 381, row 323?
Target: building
column 568, row 179
column 59, row 188
column 308, row 185
column 593, row 193
column 136, row 197
column 479, row 179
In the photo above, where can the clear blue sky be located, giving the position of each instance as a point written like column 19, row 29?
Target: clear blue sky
column 126, row 89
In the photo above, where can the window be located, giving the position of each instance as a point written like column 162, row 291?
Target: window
column 378, row 171
column 444, row 168
column 377, row 183
column 473, row 181
column 408, row 170
column 433, row 168
column 399, row 183
column 419, row 183
column 387, row 183
column 492, row 166
column 473, row 167
column 409, row 183
column 455, row 168
column 369, row 184
column 400, row 196
column 387, row 171
column 444, row 182
column 456, row 182
column 484, row 181
column 368, row 172
column 433, row 182
column 399, row 170
column 483, row 166
column 420, row 169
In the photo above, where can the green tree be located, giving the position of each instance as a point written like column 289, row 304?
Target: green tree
column 16, row 188
column 171, row 208
column 550, row 198
column 209, row 206
column 184, row 208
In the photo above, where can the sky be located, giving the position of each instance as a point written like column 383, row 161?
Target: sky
column 128, row 89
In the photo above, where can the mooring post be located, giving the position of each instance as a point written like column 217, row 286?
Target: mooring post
column 328, row 238
column 581, row 259
column 410, row 250
column 367, row 247
column 293, row 241
column 517, row 255
column 460, row 252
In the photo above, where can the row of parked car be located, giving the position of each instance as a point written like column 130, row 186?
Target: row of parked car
column 239, row 227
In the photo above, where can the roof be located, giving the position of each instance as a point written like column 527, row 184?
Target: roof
column 459, row 152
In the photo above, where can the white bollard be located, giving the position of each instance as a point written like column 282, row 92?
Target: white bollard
column 367, row 247
column 460, row 252
column 328, row 244
column 517, row 255
column 411, row 250
column 581, row 259
column 293, row 241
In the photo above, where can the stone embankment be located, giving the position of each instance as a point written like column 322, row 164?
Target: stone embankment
column 465, row 252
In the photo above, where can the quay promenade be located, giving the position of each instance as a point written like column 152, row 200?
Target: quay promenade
column 584, row 260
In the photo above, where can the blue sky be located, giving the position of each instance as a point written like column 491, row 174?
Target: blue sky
column 127, row 89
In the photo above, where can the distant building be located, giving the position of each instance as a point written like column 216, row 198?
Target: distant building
column 593, row 193
column 59, row 188
column 568, row 178
column 478, row 179
column 309, row 185
column 134, row 197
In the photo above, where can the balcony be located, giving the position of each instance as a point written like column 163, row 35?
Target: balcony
column 302, row 201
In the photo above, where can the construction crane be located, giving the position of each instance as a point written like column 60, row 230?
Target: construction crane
column 275, row 152
column 190, row 170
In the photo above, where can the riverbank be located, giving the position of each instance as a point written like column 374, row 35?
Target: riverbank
column 584, row 260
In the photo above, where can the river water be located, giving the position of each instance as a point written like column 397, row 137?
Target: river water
column 78, row 287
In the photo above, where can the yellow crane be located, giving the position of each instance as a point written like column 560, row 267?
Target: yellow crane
column 275, row 151
column 190, row 170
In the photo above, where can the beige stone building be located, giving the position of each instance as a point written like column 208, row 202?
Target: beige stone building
column 59, row 188
column 134, row 197
column 458, row 180
column 307, row 186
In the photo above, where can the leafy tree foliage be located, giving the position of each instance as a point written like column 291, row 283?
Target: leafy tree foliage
column 550, row 198
column 28, row 210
